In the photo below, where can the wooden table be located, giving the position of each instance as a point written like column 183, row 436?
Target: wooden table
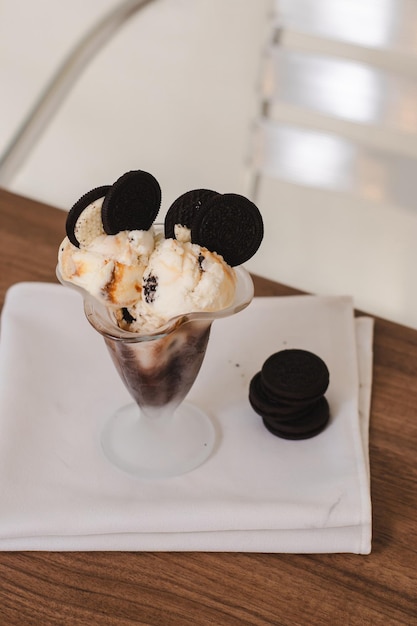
column 222, row 589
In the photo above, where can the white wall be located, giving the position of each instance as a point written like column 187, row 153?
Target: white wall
column 174, row 93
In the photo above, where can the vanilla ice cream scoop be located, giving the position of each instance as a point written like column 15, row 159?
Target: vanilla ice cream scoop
column 180, row 278
column 110, row 267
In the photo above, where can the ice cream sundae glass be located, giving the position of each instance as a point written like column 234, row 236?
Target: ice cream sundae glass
column 153, row 292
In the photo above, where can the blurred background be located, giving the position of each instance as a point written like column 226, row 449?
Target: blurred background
column 307, row 106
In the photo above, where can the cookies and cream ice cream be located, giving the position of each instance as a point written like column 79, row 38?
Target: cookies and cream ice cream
column 181, row 278
column 146, row 274
column 147, row 279
column 110, row 267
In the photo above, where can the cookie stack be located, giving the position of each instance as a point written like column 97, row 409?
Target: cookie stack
column 288, row 393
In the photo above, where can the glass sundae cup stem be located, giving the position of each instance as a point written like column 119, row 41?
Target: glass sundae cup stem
column 159, row 373
column 159, row 435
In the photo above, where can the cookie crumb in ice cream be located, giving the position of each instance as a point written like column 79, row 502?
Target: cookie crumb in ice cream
column 126, row 316
column 150, row 285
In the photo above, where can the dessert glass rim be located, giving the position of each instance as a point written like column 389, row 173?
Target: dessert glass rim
column 102, row 319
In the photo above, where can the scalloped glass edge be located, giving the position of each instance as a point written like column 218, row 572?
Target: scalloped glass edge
column 101, row 318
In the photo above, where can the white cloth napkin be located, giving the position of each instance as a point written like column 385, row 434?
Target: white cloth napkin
column 255, row 493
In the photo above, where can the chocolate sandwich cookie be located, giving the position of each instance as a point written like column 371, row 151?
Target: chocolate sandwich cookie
column 267, row 405
column 293, row 436
column 84, row 218
column 303, row 427
column 295, row 374
column 132, row 203
column 184, row 209
column 230, row 225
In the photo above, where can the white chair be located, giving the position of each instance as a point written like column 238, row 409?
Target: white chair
column 335, row 152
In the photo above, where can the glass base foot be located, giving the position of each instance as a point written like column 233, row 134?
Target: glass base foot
column 158, row 447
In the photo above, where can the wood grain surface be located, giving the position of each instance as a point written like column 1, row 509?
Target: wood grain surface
column 115, row 588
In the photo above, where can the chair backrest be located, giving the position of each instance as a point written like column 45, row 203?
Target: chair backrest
column 335, row 152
